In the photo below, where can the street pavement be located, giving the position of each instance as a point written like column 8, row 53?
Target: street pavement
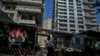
column 41, row 52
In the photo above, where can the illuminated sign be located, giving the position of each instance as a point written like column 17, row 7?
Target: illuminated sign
column 17, row 36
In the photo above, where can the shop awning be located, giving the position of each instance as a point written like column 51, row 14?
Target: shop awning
column 93, row 34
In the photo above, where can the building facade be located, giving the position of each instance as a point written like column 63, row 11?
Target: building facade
column 28, row 12
column 47, row 24
column 73, row 16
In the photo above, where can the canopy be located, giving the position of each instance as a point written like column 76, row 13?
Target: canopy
column 93, row 34
column 4, row 18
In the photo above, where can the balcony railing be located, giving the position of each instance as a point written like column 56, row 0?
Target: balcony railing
column 62, row 22
column 28, row 1
column 88, row 2
column 92, row 9
column 91, row 23
column 9, row 11
column 62, row 27
column 94, row 20
column 28, row 21
column 29, row 9
column 93, row 16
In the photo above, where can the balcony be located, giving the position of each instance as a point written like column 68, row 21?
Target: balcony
column 9, row 11
column 80, row 16
column 61, row 18
column 62, row 27
column 91, row 23
column 93, row 12
column 86, row 8
column 62, row 22
column 72, row 28
column 87, row 2
column 90, row 16
column 28, row 21
column 29, row 9
column 72, row 23
column 71, row 19
column 25, row 1
column 94, row 20
column 80, row 19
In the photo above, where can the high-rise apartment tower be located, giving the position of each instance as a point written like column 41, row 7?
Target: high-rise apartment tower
column 73, row 16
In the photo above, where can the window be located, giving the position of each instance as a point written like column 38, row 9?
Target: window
column 62, row 24
column 70, row 0
column 63, row 20
column 81, row 30
column 63, row 0
column 7, row 7
column 78, row 7
column 79, row 14
column 78, row 1
column 62, row 13
column 63, row 9
column 80, row 18
column 62, row 6
column 72, row 21
column 62, row 16
column 81, row 26
column 71, row 10
column 79, row 11
column 61, row 3
column 72, row 25
column 71, row 17
column 70, row 3
column 61, row 29
column 27, row 17
column 10, row 7
column 90, row 0
column 71, row 13
column 80, row 22
column 71, row 7
column 72, row 30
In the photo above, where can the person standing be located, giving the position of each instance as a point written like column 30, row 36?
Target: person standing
column 50, row 47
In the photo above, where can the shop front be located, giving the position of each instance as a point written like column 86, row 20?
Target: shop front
column 16, row 38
